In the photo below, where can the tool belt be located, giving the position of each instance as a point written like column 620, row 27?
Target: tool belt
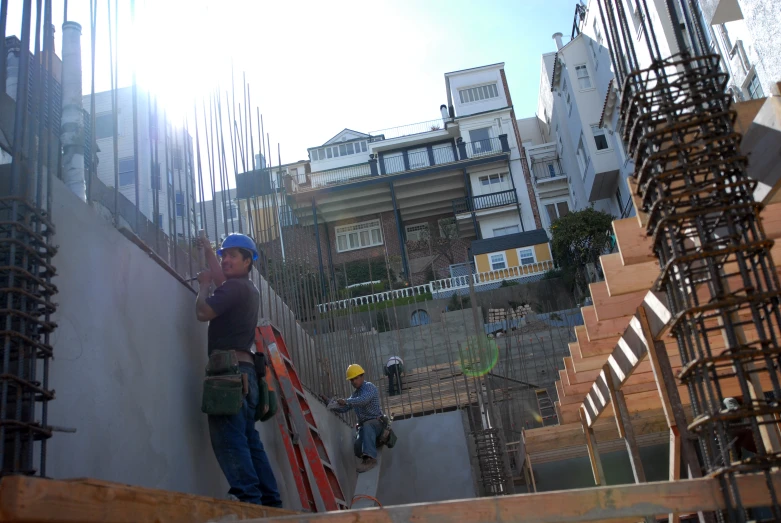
column 386, row 437
column 224, row 386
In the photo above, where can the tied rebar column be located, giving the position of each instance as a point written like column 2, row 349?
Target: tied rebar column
column 26, row 258
column 716, row 270
column 490, row 451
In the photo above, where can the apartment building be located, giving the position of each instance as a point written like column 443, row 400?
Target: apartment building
column 166, row 191
column 572, row 144
column 457, row 180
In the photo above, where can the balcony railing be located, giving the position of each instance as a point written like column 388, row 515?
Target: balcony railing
column 446, row 286
column 410, row 129
column 335, row 176
column 485, row 201
column 396, row 163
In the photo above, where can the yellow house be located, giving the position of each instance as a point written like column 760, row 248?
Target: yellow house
column 512, row 255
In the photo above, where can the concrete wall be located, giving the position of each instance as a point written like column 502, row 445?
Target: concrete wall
column 129, row 359
column 576, row 473
column 430, row 462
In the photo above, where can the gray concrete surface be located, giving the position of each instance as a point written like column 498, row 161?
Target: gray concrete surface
column 430, row 462
column 129, row 359
column 576, row 473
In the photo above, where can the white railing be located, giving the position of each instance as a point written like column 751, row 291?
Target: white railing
column 444, row 285
column 336, row 176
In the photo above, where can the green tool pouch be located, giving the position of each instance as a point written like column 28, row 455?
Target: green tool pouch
column 222, row 362
column 222, row 395
column 391, row 439
column 223, row 387
column 262, row 399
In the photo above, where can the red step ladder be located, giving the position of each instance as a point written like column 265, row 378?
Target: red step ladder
column 314, row 475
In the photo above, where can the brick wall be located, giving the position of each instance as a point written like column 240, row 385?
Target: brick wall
column 390, row 237
column 420, row 251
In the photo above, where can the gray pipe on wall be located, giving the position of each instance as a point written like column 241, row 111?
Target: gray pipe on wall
column 72, row 126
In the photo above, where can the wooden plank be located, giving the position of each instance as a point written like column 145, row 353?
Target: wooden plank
column 574, row 350
column 622, row 279
column 593, row 452
column 674, row 467
column 593, row 348
column 608, row 307
column 579, row 377
column 653, row 358
column 25, row 499
column 640, row 216
column 600, row 330
column 771, row 220
column 568, row 506
column 634, row 244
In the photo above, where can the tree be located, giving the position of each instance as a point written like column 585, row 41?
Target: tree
column 580, row 238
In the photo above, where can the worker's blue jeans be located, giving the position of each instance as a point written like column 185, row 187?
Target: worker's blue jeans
column 366, row 440
column 240, row 452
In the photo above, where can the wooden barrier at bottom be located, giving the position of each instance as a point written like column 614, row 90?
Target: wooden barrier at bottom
column 27, row 500
column 612, row 503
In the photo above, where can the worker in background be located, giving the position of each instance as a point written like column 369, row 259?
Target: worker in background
column 232, row 313
column 394, row 369
column 365, row 401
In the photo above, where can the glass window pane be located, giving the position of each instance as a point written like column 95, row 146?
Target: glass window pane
column 463, row 97
column 364, row 238
column 552, row 216
column 342, row 150
column 329, row 153
column 363, row 147
column 354, row 243
column 376, row 237
column 563, row 208
column 341, row 242
column 350, row 149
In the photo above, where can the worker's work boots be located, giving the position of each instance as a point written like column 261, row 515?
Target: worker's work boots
column 367, row 464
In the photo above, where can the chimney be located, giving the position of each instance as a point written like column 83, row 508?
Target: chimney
column 559, row 43
column 72, row 124
column 444, row 113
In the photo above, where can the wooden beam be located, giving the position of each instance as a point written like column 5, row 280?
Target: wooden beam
column 622, row 279
column 26, row 499
column 600, row 330
column 634, row 244
column 593, row 451
column 621, row 413
column 674, row 467
column 593, row 348
column 608, row 307
column 568, row 506
column 770, row 217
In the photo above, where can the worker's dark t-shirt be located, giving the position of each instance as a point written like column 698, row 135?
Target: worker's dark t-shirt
column 236, row 304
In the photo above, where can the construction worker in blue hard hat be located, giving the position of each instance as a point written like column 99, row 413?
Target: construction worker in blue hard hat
column 232, row 313
column 365, row 401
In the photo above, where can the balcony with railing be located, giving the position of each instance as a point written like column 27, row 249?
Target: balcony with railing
column 421, row 159
column 447, row 287
column 409, row 130
column 484, row 201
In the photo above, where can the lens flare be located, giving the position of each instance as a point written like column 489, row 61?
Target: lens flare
column 478, row 356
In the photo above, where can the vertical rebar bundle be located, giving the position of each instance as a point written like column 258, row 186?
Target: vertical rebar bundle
column 721, row 284
column 491, row 456
column 26, row 257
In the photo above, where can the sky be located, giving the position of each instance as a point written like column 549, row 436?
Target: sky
column 313, row 67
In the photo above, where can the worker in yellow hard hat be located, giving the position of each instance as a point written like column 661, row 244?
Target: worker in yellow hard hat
column 365, row 401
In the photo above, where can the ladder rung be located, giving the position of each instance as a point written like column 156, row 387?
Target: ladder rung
column 313, row 428
column 326, row 464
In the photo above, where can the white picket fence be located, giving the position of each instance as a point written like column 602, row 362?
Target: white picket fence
column 446, row 285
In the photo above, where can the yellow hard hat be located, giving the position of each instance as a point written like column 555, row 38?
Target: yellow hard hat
column 353, row 371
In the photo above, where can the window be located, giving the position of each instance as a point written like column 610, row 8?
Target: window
column 584, row 80
column 358, row 236
column 419, row 317
column 600, row 140
column 179, row 204
column 582, row 157
column 156, row 177
column 598, row 34
column 526, row 256
column 498, row 261
column 492, row 179
column 176, row 158
column 448, row 228
column 551, row 170
column 103, row 125
column 475, row 94
column 481, row 139
column 755, row 88
column 232, row 209
column 417, row 232
column 504, row 231
column 557, row 210
column 127, row 171
column 418, row 158
column 336, row 151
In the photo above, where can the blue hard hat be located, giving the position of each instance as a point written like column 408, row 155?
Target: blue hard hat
column 240, row 241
